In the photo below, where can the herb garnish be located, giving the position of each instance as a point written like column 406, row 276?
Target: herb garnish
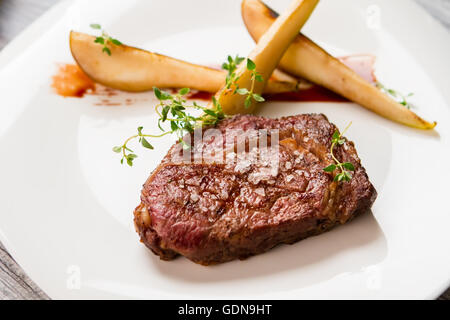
column 346, row 167
column 172, row 109
column 397, row 96
column 232, row 78
column 231, row 66
column 104, row 39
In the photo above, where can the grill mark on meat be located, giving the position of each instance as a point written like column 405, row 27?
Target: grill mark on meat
column 212, row 213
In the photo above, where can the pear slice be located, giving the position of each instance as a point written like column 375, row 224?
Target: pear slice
column 132, row 69
column 266, row 55
column 307, row 60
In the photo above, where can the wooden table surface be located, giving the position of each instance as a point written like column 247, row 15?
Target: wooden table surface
column 16, row 15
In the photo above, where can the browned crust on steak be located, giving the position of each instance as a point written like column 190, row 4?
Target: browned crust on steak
column 211, row 213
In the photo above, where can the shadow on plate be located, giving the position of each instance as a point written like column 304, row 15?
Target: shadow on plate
column 348, row 248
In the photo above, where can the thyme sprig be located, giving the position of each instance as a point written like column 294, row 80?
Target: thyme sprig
column 104, row 39
column 231, row 65
column 344, row 168
column 397, row 96
column 172, row 109
column 232, row 78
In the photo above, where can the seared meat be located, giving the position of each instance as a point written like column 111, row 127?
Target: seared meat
column 213, row 212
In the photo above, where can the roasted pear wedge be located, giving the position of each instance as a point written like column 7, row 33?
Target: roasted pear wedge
column 135, row 70
column 266, row 56
column 307, row 60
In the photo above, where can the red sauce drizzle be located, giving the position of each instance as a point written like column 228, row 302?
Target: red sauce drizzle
column 70, row 81
column 200, row 95
column 315, row 93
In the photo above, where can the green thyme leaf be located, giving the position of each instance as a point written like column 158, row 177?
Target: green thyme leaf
column 146, row 144
column 100, row 40
column 164, row 113
column 130, row 162
column 115, row 41
column 157, row 93
column 336, row 135
column 347, row 176
column 242, row 91
column 330, row 168
column 348, row 166
column 117, row 149
column 258, row 97
column 184, row 91
column 174, row 126
column 210, row 112
column 215, row 102
column 106, row 50
column 248, row 102
column 259, row 77
column 250, row 65
column 95, row 26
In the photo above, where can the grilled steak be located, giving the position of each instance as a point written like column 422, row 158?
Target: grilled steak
column 217, row 211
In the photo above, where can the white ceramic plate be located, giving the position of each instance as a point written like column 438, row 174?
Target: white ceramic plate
column 66, row 202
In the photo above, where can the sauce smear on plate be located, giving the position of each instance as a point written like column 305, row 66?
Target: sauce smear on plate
column 70, row 81
column 313, row 94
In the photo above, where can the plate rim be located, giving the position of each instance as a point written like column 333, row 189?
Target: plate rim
column 41, row 25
